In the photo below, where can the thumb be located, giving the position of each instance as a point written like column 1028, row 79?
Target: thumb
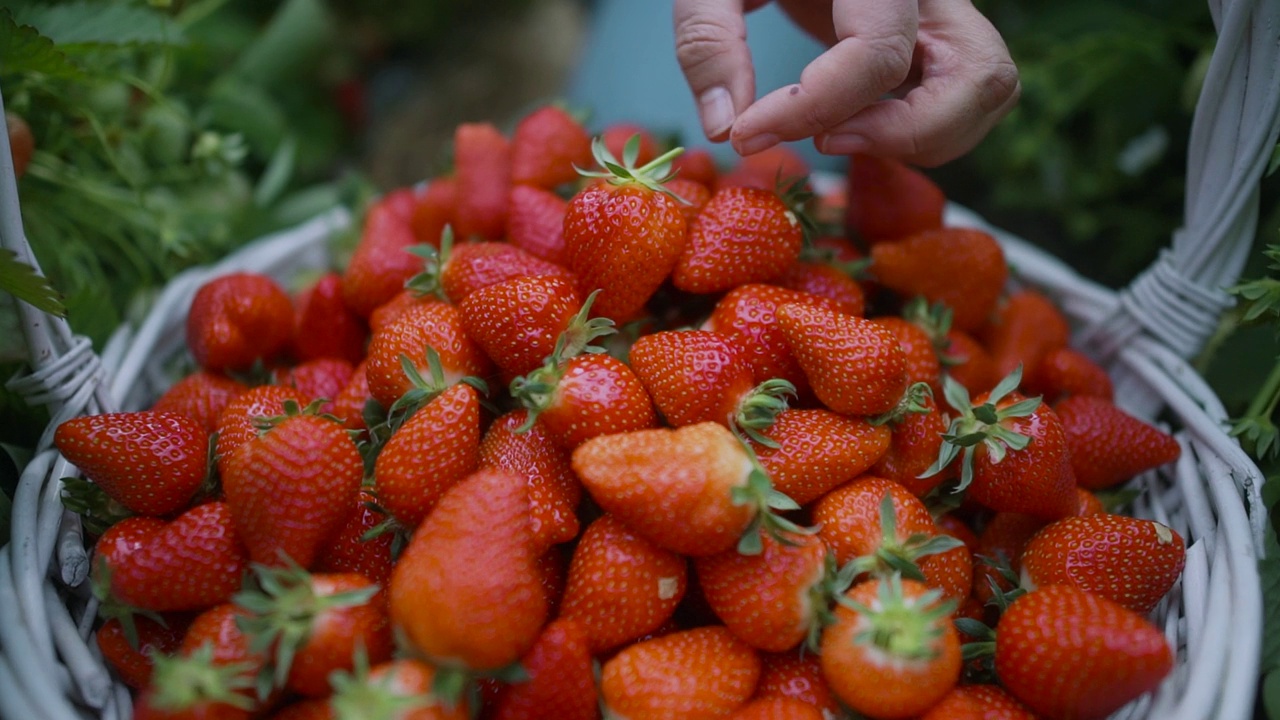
column 711, row 46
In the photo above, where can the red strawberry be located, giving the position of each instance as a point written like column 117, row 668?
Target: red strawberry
column 825, row 281
column 193, row 687
column 467, row 590
column 313, row 625
column 403, row 689
column 889, row 200
column 238, row 423
column 798, row 676
column 892, row 651
column 961, row 267
column 777, row 708
column 855, row 366
column 554, row 491
column 318, row 379
column 546, row 146
column 623, row 236
column 482, row 167
column 435, row 448
column 693, row 674
column 382, row 262
column 696, row 165
column 585, row 396
column 818, row 450
column 133, row 659
column 717, row 498
column 1001, row 543
column 287, row 508
column 434, row 326
column 694, row 194
column 1014, row 454
column 621, row 586
column 616, row 136
column 535, row 223
column 978, row 702
column 236, row 319
column 1067, row 371
column 434, row 210
column 324, row 327
column 968, row 363
column 560, row 683
column 923, row 365
column 1107, row 445
column 190, row 563
column 914, row 442
column 457, row 270
column 1127, row 560
column 216, row 631
column 743, row 235
column 1090, row 504
column 309, row 709
column 200, row 396
column 766, row 169
column 1067, row 653
column 391, row 310
column 150, row 462
column 772, row 601
column 700, row 375
column 350, row 551
column 349, row 403
column 1027, row 327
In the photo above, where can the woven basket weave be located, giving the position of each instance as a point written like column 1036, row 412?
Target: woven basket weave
column 50, row 666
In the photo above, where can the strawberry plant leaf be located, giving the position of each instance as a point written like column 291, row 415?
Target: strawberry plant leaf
column 23, row 282
column 24, row 50
column 83, row 26
column 1271, row 694
column 1269, row 570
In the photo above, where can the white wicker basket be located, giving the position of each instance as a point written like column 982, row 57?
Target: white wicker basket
column 51, row 668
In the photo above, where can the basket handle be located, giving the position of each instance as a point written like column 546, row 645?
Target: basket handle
column 1179, row 299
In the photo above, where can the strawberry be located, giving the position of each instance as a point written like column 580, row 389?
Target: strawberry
column 217, row 631
column 962, row 267
column 352, row 550
column 743, row 235
column 923, row 365
column 553, row 571
column 321, row 379
column 313, row 625
column 194, row 687
column 1066, row 371
column 467, row 591
column 1067, row 653
column 951, row 570
column 772, row 601
column 482, row 168
column 952, row 524
column 348, row 404
column 200, row 396
column 855, row 366
column 914, row 442
column 535, row 223
column 584, row 397
column 696, row 165
column 889, row 200
column 968, row 363
column 620, row 586
column 554, row 491
column 132, row 659
column 719, row 498
column 748, row 313
column 285, row 508
column 798, row 676
column 1107, row 445
column 825, row 281
column 407, row 344
column 1090, row 504
column 616, row 137
column 238, row 423
column 811, row 451
column 434, row 210
column 236, row 319
column 766, row 170
column 1026, row 328
column 546, row 147
column 456, row 270
column 777, row 708
column 623, row 236
column 518, row 321
column 402, row 689
column 978, row 702
column 694, row 194
column 435, row 448
column 560, row 681
column 892, row 651
column 1000, row 544
column 309, row 709
column 150, row 462
column 700, row 375
column 692, row 674
column 1130, row 561
column 189, row 563
column 382, row 262
column 391, row 310
column 324, row 327
column 1013, row 451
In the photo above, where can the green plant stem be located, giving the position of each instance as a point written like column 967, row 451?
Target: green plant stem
column 1264, row 403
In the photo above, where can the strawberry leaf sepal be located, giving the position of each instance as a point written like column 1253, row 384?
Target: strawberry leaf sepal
column 96, row 509
column 183, row 682
column 981, row 425
column 901, row 627
column 652, row 175
column 898, row 557
column 355, row 695
column 759, row 409
column 759, row 493
column 427, row 281
column 913, row 402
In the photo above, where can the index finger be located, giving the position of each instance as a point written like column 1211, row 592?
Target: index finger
column 872, row 56
column 711, row 46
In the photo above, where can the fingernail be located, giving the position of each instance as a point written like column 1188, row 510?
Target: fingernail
column 844, row 144
column 717, row 111
column 756, row 143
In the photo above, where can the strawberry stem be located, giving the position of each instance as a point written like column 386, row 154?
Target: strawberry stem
column 576, row 338
column 427, row 282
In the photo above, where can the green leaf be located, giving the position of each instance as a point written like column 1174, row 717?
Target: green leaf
column 23, row 282
column 275, row 178
column 1269, row 570
column 1275, row 161
column 24, row 50
column 90, row 25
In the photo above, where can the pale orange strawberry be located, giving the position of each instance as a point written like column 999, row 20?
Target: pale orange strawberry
column 812, row 451
column 694, row 674
column 482, row 168
column 382, row 262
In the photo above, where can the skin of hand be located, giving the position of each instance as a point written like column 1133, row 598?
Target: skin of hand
column 921, row 81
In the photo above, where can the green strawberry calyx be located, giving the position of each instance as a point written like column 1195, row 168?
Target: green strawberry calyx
column 981, row 425
column 902, row 628
column 427, row 282
column 356, row 696
column 582, row 330
column 915, row 401
column 897, row 555
column 651, row 175
column 183, row 682
column 935, row 319
column 760, row 407
column 768, row 501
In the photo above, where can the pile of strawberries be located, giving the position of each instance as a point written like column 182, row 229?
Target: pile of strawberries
column 587, row 429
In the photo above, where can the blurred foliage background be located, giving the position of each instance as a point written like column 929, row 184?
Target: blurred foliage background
column 170, row 131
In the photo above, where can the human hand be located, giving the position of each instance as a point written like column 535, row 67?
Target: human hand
column 918, row 80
